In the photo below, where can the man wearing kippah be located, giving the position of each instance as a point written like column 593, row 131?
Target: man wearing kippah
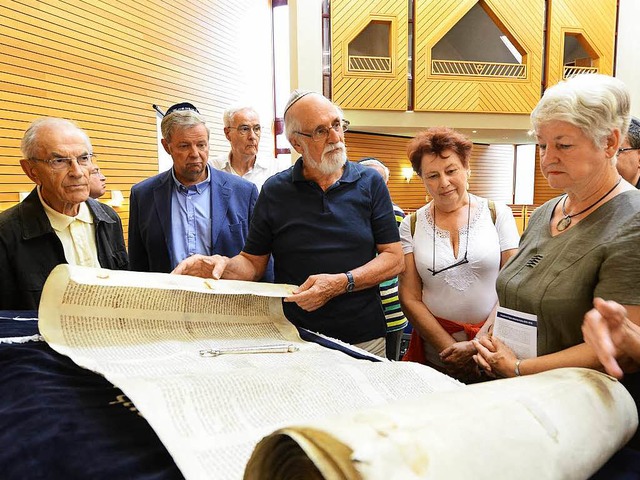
column 191, row 208
column 330, row 226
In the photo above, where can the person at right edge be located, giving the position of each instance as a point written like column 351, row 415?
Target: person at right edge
column 581, row 245
column 453, row 248
column 628, row 158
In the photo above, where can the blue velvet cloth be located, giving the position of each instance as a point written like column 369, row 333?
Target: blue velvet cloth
column 624, row 465
column 58, row 420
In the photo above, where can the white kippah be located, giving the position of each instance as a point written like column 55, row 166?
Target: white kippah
column 295, row 96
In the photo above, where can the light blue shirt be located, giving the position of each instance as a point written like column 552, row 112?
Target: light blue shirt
column 190, row 219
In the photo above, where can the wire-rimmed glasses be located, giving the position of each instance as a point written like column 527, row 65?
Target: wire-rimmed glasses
column 244, row 129
column 457, row 264
column 627, row 149
column 464, row 260
column 63, row 163
column 321, row 133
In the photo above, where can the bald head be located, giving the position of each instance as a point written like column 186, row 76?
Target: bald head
column 33, row 140
column 300, row 105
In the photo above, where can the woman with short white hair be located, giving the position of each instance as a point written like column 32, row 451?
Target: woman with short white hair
column 580, row 245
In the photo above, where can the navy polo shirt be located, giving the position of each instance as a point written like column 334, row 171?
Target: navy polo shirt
column 309, row 231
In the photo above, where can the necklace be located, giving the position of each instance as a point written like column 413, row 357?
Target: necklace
column 433, row 270
column 565, row 221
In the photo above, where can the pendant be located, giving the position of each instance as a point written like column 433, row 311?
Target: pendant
column 563, row 223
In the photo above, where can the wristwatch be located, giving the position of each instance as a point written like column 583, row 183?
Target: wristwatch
column 350, row 283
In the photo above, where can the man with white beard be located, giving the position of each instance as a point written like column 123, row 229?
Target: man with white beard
column 330, row 227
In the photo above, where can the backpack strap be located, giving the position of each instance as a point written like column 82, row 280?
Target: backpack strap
column 492, row 210
column 412, row 221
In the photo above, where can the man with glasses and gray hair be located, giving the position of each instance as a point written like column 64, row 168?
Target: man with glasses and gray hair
column 330, row 226
column 58, row 222
column 243, row 130
column 628, row 158
column 191, row 208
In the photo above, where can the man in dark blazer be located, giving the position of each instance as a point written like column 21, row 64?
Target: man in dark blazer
column 190, row 208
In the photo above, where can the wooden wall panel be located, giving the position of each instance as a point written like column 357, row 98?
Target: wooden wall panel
column 541, row 189
column 491, row 168
column 104, row 64
column 368, row 91
column 392, row 151
column 595, row 21
column 434, row 18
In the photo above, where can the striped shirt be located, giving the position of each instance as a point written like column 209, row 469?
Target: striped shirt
column 389, row 293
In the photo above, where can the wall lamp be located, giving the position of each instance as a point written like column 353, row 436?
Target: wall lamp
column 116, row 198
column 407, row 173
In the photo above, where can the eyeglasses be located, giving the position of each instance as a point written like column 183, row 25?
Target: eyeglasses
column 244, row 129
column 322, row 132
column 457, row 264
column 622, row 150
column 466, row 248
column 63, row 163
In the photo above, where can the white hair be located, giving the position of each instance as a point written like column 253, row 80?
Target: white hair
column 227, row 116
column 374, row 162
column 596, row 104
column 31, row 139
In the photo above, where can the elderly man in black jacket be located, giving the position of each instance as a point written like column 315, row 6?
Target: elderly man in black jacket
column 57, row 222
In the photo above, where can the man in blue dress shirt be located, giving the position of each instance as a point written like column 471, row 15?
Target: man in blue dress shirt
column 191, row 208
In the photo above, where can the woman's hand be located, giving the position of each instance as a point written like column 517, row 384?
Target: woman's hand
column 494, row 357
column 458, row 360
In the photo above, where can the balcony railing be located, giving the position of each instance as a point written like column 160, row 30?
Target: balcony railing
column 360, row 63
column 570, row 71
column 478, row 69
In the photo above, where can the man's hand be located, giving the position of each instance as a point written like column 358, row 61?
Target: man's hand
column 318, row 290
column 202, row 266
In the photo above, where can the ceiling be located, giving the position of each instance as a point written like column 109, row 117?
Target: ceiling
column 477, row 135
column 486, row 128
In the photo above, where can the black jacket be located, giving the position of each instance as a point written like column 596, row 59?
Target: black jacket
column 30, row 249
